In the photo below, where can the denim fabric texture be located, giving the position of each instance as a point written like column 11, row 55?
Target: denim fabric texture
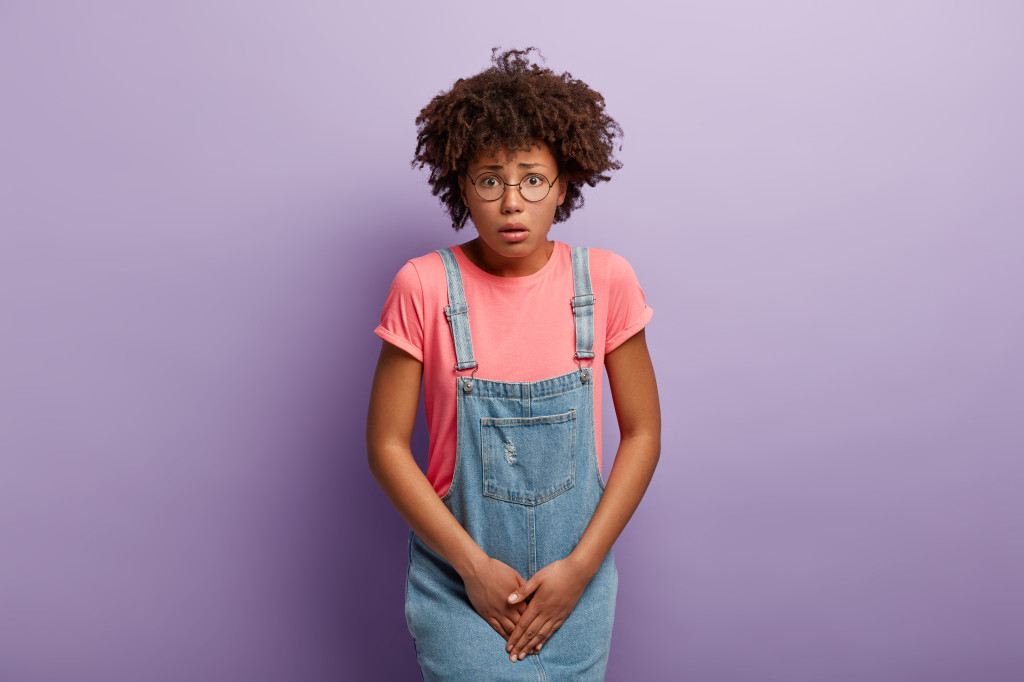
column 582, row 303
column 457, row 312
column 525, row 486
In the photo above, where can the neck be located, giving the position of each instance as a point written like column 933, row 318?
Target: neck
column 491, row 262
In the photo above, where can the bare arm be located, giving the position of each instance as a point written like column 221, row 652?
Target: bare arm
column 557, row 587
column 638, row 412
column 392, row 414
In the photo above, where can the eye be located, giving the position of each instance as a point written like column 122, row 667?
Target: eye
column 534, row 181
column 489, row 181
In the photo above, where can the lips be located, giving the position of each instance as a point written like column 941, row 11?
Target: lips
column 514, row 232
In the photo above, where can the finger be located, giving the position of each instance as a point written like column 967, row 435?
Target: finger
column 554, row 628
column 493, row 622
column 507, row 626
column 532, row 639
column 523, row 592
column 541, row 635
column 517, row 640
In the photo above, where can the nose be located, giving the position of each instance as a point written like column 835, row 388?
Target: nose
column 512, row 201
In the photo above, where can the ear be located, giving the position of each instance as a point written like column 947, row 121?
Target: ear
column 563, row 187
column 462, row 188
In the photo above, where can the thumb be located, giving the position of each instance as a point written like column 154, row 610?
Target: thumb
column 524, row 591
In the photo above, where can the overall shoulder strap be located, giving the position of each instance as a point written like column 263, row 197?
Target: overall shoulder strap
column 457, row 312
column 583, row 307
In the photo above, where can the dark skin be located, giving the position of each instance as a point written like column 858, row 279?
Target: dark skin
column 524, row 612
column 516, row 102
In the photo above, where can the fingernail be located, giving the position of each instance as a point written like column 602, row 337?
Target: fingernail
column 512, row 658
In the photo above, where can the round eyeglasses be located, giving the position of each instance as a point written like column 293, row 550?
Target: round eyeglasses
column 491, row 186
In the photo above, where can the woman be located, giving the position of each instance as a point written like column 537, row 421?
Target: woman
column 510, row 335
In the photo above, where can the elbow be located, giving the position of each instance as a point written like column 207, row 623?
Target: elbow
column 646, row 443
column 373, row 456
column 655, row 449
column 382, row 456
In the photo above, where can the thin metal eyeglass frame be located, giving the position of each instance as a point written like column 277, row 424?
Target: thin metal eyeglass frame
column 509, row 184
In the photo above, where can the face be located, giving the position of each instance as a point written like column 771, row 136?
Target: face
column 513, row 232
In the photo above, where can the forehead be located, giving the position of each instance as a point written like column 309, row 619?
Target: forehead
column 538, row 157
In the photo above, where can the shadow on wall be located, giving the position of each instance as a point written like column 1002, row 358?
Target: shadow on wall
column 358, row 593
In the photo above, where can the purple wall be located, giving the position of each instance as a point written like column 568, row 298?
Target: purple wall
column 202, row 205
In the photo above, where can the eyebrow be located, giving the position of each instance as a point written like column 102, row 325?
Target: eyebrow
column 524, row 166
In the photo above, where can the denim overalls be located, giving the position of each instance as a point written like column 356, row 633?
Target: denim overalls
column 525, row 485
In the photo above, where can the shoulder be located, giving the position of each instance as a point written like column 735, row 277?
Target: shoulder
column 419, row 275
column 608, row 268
column 428, row 261
column 625, row 304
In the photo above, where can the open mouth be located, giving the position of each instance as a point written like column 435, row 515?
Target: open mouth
column 514, row 233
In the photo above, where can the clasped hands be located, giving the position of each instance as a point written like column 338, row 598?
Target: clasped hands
column 525, row 612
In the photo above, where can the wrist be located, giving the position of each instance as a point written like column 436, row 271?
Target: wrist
column 470, row 562
column 584, row 563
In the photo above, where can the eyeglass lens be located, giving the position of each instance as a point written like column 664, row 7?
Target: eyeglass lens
column 533, row 187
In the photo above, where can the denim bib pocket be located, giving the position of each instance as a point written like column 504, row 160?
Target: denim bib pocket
column 528, row 460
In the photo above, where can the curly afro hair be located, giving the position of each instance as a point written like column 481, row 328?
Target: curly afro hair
column 512, row 105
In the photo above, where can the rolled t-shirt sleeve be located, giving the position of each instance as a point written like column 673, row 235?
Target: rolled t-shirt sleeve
column 401, row 322
column 628, row 311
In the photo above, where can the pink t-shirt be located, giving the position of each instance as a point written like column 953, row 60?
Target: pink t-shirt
column 522, row 327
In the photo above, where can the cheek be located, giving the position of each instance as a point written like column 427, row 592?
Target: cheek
column 478, row 213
